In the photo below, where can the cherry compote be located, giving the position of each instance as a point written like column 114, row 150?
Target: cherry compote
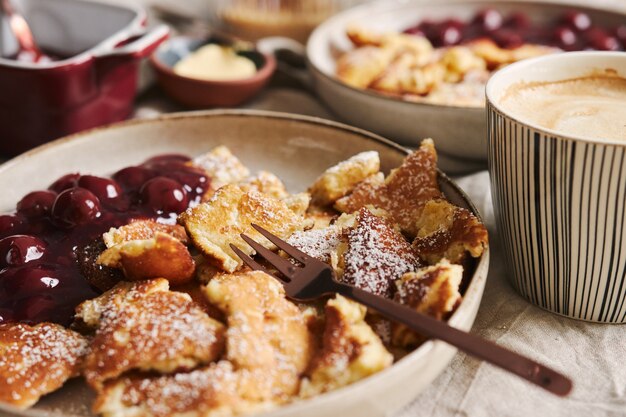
column 572, row 31
column 43, row 242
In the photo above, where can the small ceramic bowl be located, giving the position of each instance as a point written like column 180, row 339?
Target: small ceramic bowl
column 196, row 93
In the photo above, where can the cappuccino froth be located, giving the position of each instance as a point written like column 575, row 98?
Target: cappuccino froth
column 592, row 107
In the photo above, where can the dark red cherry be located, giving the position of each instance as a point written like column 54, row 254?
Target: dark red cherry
column 600, row 40
column 75, row 206
column 458, row 23
column 565, row 38
column 20, row 249
column 37, row 227
column 451, row 35
column 165, row 163
column 11, row 224
column 164, row 195
column 103, row 188
column 576, row 20
column 133, row 178
column 416, row 31
column 6, row 315
column 607, row 43
column 108, row 191
column 426, row 25
column 518, row 20
column 38, row 308
column 488, row 19
column 451, row 32
column 509, row 39
column 65, row 182
column 25, row 281
column 445, row 35
column 36, row 204
column 170, row 157
column 620, row 34
column 193, row 180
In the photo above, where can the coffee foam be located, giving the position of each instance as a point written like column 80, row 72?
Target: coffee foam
column 592, row 107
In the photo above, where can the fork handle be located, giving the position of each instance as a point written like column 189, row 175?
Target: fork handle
column 486, row 350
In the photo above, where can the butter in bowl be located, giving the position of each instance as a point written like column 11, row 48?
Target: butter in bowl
column 211, row 72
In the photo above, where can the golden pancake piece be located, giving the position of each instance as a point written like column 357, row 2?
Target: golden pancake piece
column 214, row 225
column 144, row 326
column 37, row 360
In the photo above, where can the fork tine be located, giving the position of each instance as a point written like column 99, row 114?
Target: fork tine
column 247, row 259
column 281, row 244
column 284, row 266
column 253, row 264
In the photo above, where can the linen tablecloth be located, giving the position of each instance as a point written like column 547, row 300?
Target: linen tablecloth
column 593, row 355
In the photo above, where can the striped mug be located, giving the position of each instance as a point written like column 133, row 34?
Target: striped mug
column 560, row 200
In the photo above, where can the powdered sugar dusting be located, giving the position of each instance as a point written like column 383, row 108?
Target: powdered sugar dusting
column 160, row 330
column 35, row 360
column 222, row 167
column 404, row 192
column 319, row 243
column 363, row 158
column 377, row 255
column 196, row 391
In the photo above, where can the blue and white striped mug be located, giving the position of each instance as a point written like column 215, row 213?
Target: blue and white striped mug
column 560, row 200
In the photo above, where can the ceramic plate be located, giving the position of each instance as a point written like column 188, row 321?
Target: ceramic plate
column 297, row 149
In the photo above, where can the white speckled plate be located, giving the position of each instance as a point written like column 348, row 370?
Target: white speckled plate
column 297, row 149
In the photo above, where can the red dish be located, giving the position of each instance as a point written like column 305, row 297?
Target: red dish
column 95, row 85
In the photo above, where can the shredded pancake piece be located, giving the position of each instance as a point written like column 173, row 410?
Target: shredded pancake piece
column 222, row 167
column 359, row 68
column 265, row 182
column 405, row 190
column 214, row 225
column 404, row 77
column 37, row 360
column 496, row 57
column 267, row 334
column 162, row 256
column 433, row 290
column 268, row 348
column 321, row 217
column 298, row 203
column 350, row 350
column 141, row 230
column 376, row 53
column 448, row 231
column 340, row 179
column 211, row 391
column 322, row 244
column 144, row 326
column 377, row 255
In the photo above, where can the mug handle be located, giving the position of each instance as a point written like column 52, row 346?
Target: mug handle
column 142, row 43
column 290, row 57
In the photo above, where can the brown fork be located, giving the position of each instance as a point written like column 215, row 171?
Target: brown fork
column 315, row 279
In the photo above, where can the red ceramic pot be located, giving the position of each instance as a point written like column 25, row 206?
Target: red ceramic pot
column 95, row 86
